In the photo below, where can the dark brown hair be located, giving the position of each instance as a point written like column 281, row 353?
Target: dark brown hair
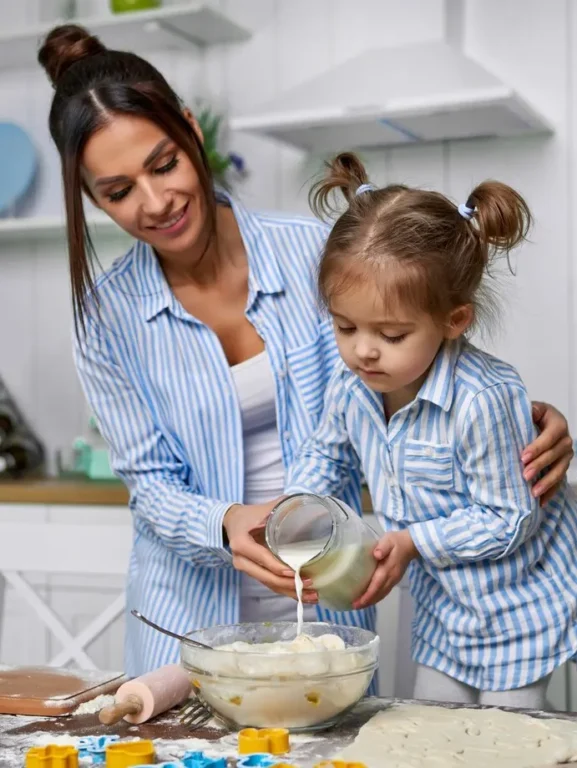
column 433, row 257
column 92, row 84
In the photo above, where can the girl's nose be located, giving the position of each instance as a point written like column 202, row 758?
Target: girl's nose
column 366, row 350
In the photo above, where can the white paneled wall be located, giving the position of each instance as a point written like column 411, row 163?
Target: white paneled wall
column 529, row 42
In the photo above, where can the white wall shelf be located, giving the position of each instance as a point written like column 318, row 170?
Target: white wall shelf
column 168, row 27
column 35, row 228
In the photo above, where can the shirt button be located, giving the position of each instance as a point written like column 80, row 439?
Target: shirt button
column 287, row 435
column 282, row 373
column 429, row 452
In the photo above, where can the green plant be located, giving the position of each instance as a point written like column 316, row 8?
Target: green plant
column 220, row 164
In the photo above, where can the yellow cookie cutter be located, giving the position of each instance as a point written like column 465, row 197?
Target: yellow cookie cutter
column 125, row 754
column 252, row 741
column 339, row 764
column 52, row 756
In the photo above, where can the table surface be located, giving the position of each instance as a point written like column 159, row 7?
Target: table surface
column 18, row 734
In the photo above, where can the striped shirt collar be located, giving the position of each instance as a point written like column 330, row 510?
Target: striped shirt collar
column 439, row 386
column 264, row 272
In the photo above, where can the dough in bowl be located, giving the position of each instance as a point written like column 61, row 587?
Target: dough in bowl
column 296, row 683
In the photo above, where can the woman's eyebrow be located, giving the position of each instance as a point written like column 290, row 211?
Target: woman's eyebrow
column 148, row 161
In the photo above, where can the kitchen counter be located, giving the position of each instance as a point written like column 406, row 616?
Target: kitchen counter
column 44, row 490
column 18, row 734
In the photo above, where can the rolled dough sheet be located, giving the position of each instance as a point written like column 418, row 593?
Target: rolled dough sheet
column 414, row 736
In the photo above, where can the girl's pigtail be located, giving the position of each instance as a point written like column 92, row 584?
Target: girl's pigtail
column 501, row 218
column 346, row 173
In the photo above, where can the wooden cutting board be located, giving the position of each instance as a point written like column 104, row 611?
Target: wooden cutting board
column 52, row 692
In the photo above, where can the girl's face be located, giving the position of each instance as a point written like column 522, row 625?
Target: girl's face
column 391, row 350
column 146, row 184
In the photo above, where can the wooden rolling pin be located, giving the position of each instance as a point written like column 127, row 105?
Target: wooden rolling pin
column 145, row 697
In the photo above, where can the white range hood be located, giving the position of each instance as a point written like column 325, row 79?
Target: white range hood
column 389, row 96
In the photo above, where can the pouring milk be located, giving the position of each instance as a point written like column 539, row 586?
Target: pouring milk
column 332, row 545
column 295, row 556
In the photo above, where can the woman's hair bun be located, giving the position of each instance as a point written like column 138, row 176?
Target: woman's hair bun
column 64, row 46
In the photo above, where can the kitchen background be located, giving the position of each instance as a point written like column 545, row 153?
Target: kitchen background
column 528, row 44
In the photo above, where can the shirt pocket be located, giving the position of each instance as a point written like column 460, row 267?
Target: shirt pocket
column 428, row 465
column 307, row 370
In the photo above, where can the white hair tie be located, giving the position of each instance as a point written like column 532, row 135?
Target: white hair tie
column 365, row 188
column 465, row 211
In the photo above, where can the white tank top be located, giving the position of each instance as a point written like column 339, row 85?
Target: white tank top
column 263, row 478
column 263, row 467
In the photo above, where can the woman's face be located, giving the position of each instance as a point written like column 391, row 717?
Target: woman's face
column 146, row 184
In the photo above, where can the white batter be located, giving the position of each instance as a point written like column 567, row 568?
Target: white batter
column 305, row 656
column 296, row 683
column 412, row 736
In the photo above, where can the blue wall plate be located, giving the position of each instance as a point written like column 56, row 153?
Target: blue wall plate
column 18, row 165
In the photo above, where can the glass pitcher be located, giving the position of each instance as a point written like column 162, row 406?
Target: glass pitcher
column 330, row 543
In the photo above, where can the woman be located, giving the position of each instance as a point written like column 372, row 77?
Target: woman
column 201, row 351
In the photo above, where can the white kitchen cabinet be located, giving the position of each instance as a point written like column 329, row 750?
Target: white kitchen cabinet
column 80, row 583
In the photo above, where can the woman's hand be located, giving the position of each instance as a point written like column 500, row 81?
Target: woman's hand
column 395, row 551
column 241, row 523
column 552, row 450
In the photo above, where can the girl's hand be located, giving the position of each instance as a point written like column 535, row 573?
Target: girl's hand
column 552, row 450
column 242, row 523
column 395, row 551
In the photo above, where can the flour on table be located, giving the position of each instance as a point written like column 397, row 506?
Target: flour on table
column 94, row 706
column 171, row 749
column 413, row 736
column 306, row 749
column 227, row 746
column 65, row 740
column 215, row 725
column 14, row 747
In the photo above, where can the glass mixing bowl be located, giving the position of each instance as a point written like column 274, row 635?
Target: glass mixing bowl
column 295, row 690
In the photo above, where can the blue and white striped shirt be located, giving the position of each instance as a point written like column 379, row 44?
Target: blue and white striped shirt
column 495, row 588
column 161, row 388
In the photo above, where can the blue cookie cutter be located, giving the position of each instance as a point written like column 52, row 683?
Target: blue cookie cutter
column 200, row 760
column 173, row 764
column 95, row 747
column 260, row 760
column 167, row 765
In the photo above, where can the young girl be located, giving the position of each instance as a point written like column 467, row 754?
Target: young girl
column 438, row 427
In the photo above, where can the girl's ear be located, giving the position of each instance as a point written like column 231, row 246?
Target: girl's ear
column 458, row 321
